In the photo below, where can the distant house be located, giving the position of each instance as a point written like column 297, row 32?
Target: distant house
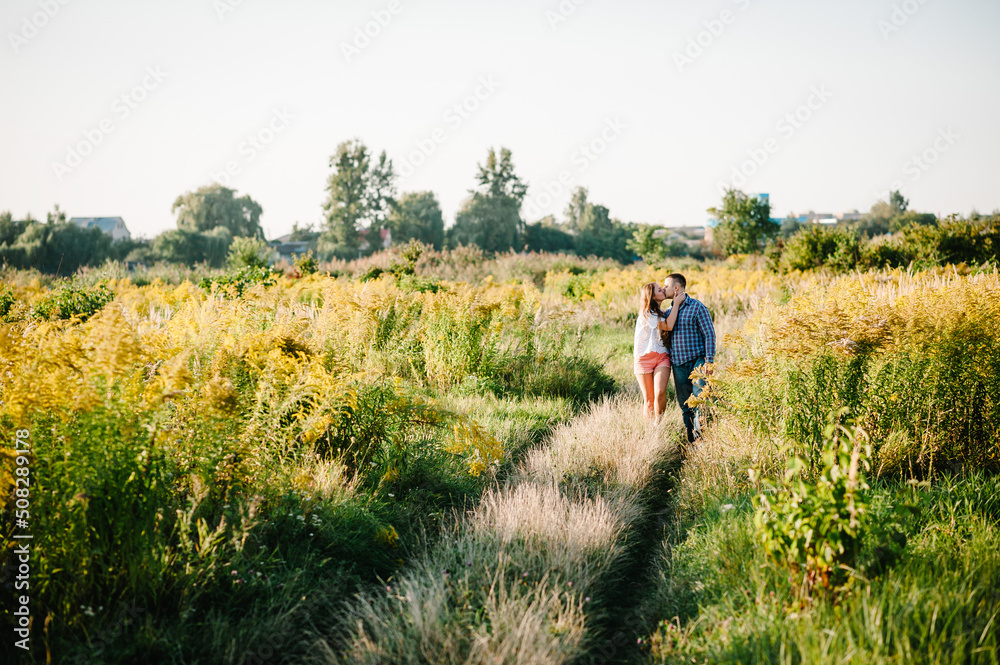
column 288, row 250
column 385, row 239
column 113, row 226
column 854, row 215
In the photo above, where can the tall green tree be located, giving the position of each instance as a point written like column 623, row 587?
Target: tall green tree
column 575, row 209
column 57, row 216
column 491, row 217
column 645, row 243
column 594, row 232
column 898, row 202
column 214, row 205
column 10, row 228
column 361, row 194
column 601, row 236
column 745, row 223
column 889, row 216
column 380, row 195
column 346, row 188
column 417, row 215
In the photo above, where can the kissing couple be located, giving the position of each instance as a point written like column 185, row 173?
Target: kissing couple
column 683, row 338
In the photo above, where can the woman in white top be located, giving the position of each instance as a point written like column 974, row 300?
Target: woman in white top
column 650, row 356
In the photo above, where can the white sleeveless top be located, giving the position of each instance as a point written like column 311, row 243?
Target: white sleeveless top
column 647, row 336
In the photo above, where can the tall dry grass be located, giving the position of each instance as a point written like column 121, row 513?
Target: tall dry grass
column 914, row 357
column 221, row 456
column 472, row 265
column 514, row 580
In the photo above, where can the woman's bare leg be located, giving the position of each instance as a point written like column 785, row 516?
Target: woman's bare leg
column 648, row 394
column 661, row 377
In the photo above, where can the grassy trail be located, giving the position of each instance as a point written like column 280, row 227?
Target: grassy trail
column 552, row 565
column 624, row 617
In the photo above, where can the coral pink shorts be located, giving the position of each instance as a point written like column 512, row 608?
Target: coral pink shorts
column 647, row 363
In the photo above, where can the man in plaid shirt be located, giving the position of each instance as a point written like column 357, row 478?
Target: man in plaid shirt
column 692, row 344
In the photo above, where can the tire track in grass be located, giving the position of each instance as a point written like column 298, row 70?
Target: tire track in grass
column 540, row 570
column 623, row 618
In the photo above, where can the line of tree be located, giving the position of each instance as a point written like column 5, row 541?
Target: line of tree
column 888, row 236
column 55, row 245
column 362, row 202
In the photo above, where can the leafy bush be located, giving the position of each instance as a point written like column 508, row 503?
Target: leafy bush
column 953, row 241
column 248, row 252
column 305, row 264
column 813, row 527
column 879, row 255
column 921, row 241
column 382, row 435
column 241, row 279
column 722, row 601
column 819, row 246
column 7, row 302
column 70, row 301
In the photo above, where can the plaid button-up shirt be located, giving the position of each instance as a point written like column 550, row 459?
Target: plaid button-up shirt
column 694, row 334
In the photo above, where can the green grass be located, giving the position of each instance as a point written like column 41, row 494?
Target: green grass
column 935, row 599
column 535, row 572
column 177, row 547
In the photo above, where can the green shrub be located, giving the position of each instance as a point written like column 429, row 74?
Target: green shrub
column 576, row 378
column 818, row 246
column 7, row 302
column 932, row 600
column 71, row 301
column 879, row 255
column 812, row 527
column 953, row 241
column 305, row 264
column 239, row 280
column 248, row 252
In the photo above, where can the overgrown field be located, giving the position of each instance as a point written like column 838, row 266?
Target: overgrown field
column 388, row 465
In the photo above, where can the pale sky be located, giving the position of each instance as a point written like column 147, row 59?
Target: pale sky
column 823, row 105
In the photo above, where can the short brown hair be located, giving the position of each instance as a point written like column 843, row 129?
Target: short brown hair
column 678, row 278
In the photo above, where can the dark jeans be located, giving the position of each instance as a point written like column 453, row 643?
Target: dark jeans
column 685, row 388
